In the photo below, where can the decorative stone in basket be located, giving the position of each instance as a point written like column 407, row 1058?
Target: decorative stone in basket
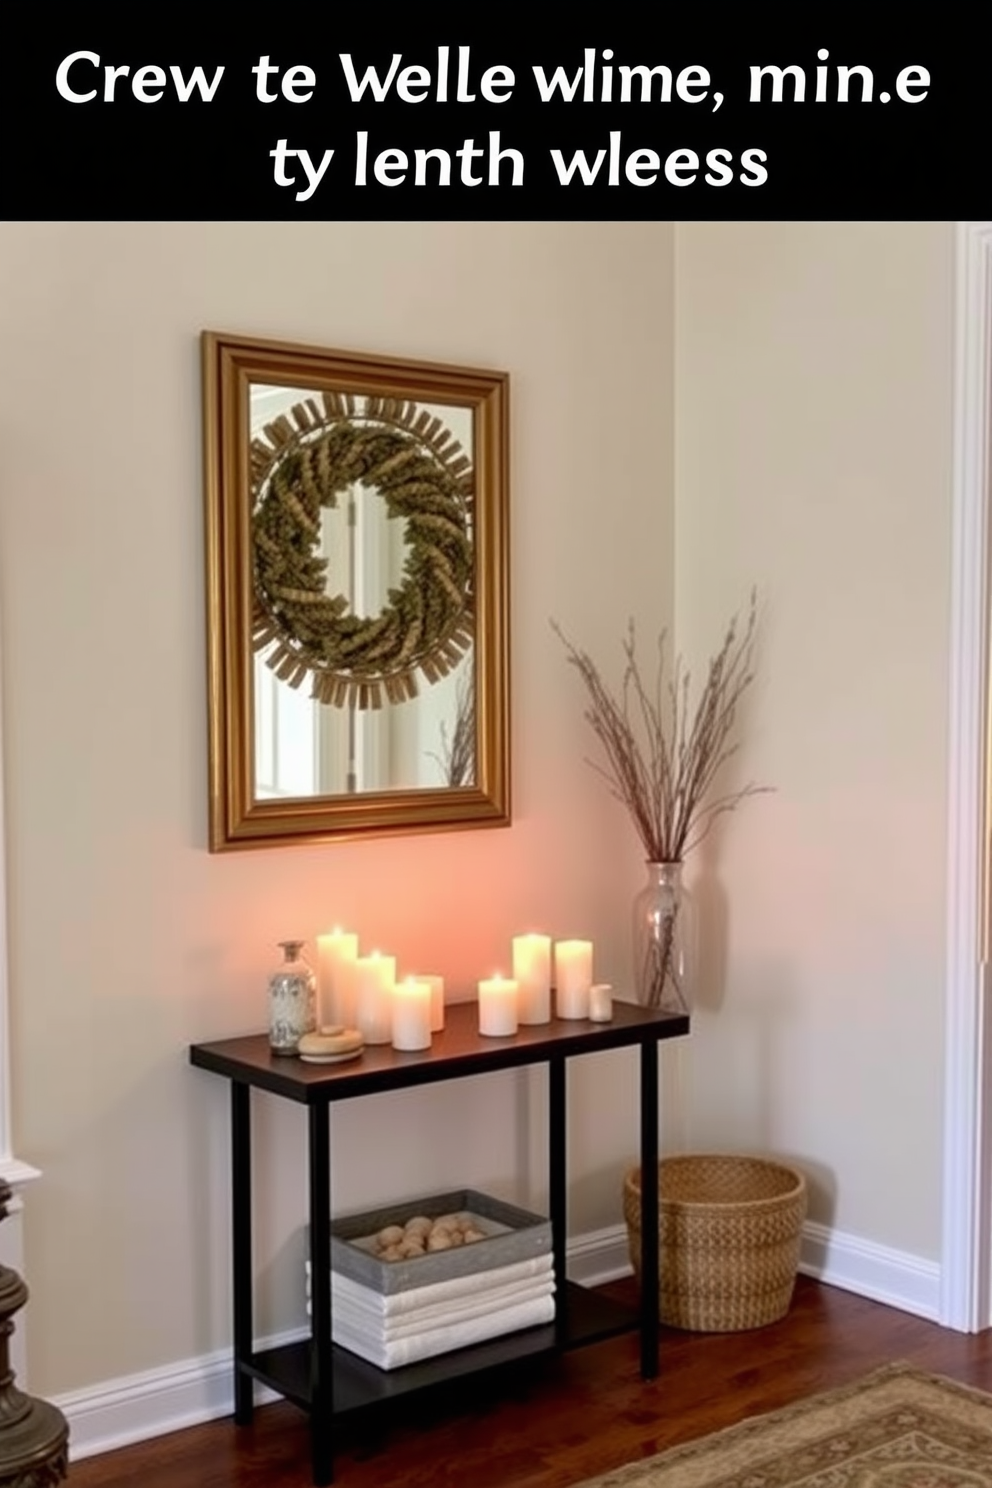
column 729, row 1231
column 490, row 1273
column 508, row 1235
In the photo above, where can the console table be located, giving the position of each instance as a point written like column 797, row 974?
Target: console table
column 328, row 1381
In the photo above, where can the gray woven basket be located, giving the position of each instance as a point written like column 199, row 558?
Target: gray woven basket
column 728, row 1231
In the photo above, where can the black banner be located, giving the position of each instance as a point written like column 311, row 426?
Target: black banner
column 808, row 111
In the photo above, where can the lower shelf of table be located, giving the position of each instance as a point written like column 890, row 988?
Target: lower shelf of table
column 590, row 1318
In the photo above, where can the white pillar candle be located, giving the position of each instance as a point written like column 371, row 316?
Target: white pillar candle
column 573, row 978
column 601, row 1003
column 337, row 952
column 436, row 984
column 532, row 974
column 498, row 1008
column 375, row 976
column 412, row 1015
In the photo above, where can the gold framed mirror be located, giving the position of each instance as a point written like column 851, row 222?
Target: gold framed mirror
column 357, row 594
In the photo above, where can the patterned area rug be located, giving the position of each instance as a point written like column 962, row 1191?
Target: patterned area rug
column 896, row 1428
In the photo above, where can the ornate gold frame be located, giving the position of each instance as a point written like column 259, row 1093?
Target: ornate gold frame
column 237, row 820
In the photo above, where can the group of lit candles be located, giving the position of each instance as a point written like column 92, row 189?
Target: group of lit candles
column 363, row 992
column 526, row 997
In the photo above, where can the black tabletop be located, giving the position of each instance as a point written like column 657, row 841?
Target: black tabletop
column 457, row 1051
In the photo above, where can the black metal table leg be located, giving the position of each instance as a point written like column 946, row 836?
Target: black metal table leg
column 321, row 1346
column 241, row 1262
column 649, row 1211
column 557, row 1188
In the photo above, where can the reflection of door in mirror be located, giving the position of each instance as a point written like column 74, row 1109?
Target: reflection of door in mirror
column 305, row 748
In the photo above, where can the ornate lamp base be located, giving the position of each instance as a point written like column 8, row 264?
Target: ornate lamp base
column 34, row 1436
column 34, row 1453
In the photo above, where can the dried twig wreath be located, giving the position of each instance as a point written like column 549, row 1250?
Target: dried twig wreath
column 300, row 464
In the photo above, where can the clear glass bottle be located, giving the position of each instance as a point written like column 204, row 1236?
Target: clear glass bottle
column 292, row 999
column 664, row 940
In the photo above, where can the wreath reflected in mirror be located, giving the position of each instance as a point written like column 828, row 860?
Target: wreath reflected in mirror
column 301, row 464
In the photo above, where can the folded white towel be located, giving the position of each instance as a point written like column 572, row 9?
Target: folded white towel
column 440, row 1314
column 494, row 1293
column 393, row 1304
column 430, row 1342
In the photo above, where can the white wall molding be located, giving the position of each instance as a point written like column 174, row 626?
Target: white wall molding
column 16, row 1173
column 5, row 1138
column 140, row 1406
column 146, row 1405
column 894, row 1277
column 599, row 1256
column 967, row 1189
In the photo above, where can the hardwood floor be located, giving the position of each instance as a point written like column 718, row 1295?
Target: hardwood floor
column 580, row 1415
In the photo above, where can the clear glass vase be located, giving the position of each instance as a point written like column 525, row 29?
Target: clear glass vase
column 292, row 999
column 664, row 940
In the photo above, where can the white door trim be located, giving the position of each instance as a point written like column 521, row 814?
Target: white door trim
column 966, row 1258
column 14, row 1171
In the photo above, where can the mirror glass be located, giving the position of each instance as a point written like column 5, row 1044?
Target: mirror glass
column 306, row 748
column 357, row 593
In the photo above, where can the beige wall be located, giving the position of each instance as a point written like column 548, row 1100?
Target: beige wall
column 811, row 406
column 813, row 439
column 129, row 940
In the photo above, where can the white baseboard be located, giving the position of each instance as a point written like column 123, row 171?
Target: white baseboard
column 151, row 1404
column 875, row 1271
column 598, row 1256
column 140, row 1406
column 894, row 1277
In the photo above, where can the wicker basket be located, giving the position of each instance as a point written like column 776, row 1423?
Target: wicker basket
column 729, row 1232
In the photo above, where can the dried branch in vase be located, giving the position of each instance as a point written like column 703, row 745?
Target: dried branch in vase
column 662, row 755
